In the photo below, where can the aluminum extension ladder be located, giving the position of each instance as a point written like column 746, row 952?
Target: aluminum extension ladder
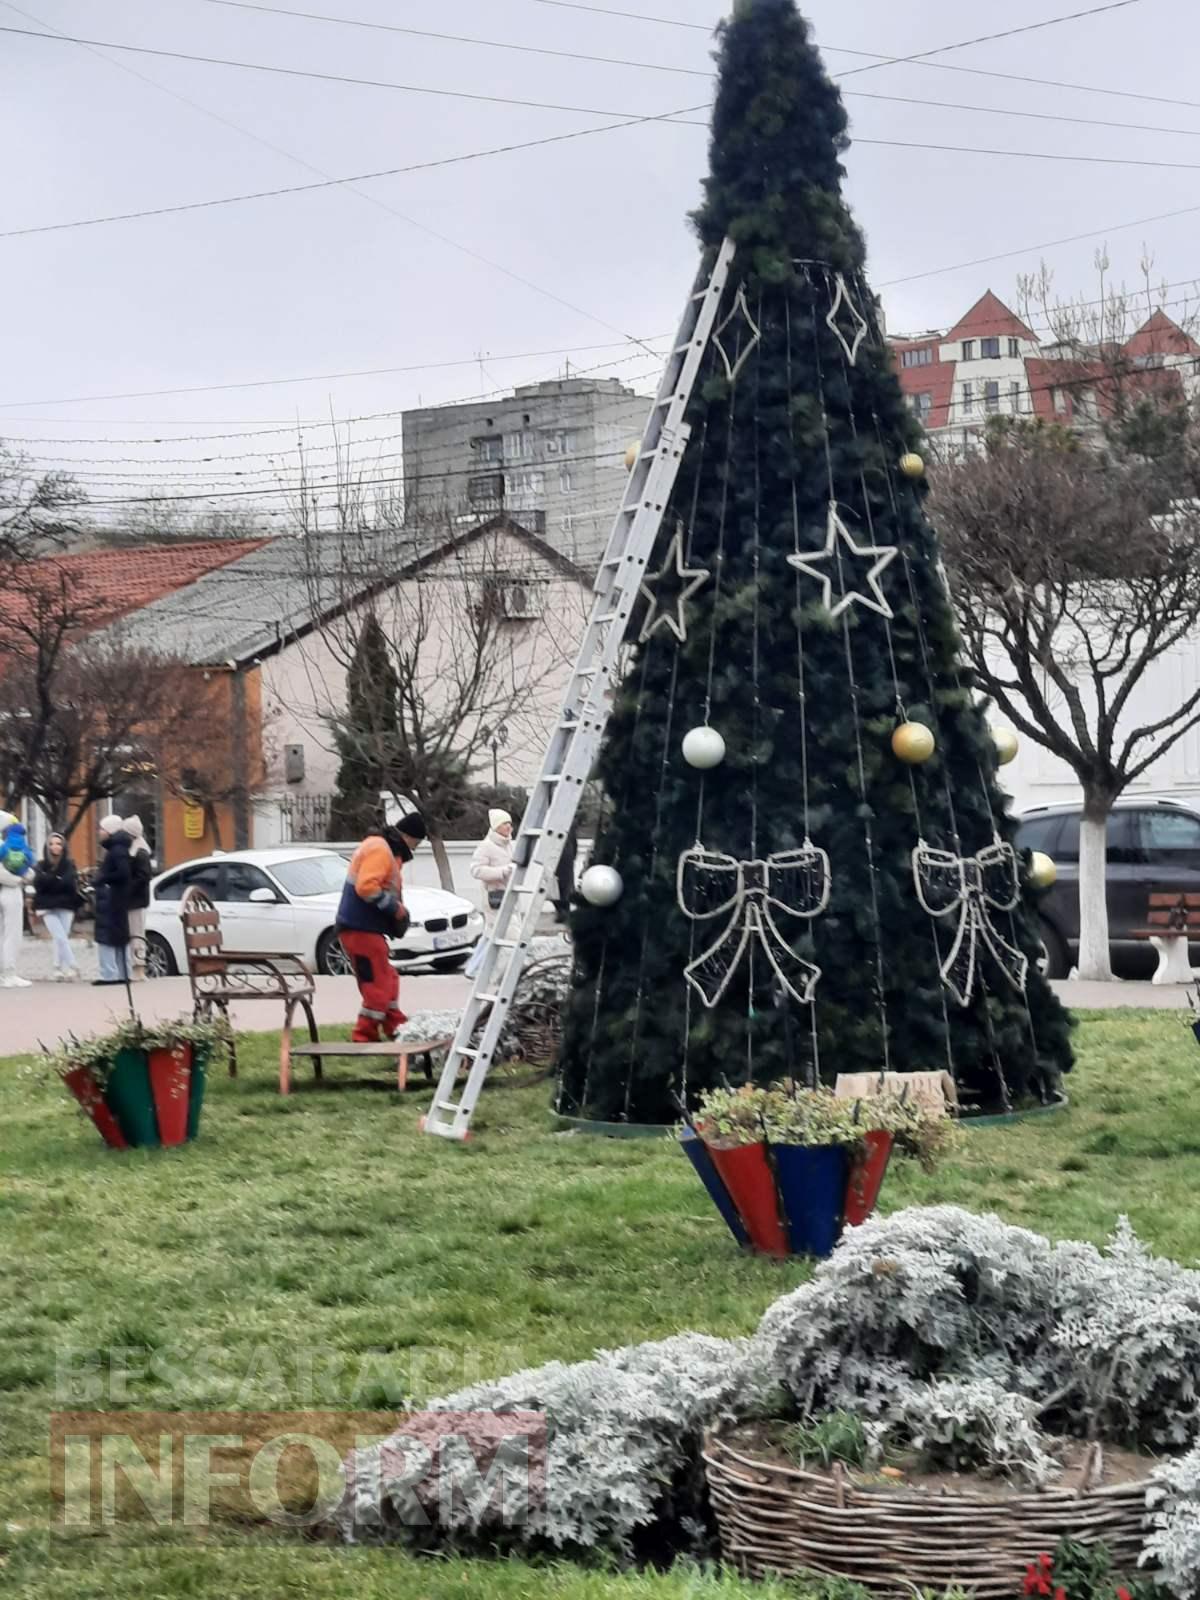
column 576, row 738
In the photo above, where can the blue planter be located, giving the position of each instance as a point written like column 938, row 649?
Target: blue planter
column 812, row 1186
column 696, row 1151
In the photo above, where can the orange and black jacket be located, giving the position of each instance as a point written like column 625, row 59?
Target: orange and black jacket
column 373, row 899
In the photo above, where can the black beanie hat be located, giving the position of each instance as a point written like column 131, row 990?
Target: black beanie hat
column 413, row 825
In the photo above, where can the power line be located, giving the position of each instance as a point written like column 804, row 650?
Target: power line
column 333, row 183
column 634, row 16
column 363, row 194
column 1011, row 111
column 457, row 38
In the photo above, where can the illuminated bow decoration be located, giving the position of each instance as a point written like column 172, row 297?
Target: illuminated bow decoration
column 973, row 887
column 794, row 883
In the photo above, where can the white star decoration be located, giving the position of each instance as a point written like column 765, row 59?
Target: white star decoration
column 858, row 321
column 813, row 565
column 692, row 579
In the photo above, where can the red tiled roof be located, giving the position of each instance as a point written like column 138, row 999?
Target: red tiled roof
column 990, row 318
column 108, row 584
column 1160, row 336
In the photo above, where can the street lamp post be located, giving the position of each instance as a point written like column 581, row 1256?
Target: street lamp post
column 496, row 738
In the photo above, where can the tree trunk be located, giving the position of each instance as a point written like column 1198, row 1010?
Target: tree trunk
column 1094, row 961
column 440, row 854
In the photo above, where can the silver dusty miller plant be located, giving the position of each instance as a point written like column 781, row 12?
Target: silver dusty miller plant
column 955, row 1332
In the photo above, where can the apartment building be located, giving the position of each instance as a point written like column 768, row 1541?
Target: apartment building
column 550, row 454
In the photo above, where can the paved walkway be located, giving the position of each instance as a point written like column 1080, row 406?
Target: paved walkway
column 48, row 1011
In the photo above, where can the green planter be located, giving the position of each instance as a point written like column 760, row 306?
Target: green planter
column 199, row 1081
column 128, row 1096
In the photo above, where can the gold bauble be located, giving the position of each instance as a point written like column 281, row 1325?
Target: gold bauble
column 632, row 452
column 912, row 465
column 1005, row 741
column 913, row 743
column 1043, row 874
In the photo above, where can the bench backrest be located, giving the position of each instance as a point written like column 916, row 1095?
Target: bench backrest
column 1173, row 908
column 202, row 937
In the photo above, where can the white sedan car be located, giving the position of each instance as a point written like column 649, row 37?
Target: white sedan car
column 284, row 901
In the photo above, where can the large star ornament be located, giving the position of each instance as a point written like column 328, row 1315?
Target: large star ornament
column 839, row 549
column 691, row 580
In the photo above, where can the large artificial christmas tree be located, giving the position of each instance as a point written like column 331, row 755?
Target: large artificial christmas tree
column 825, row 896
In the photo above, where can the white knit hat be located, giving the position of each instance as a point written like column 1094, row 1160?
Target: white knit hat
column 111, row 824
column 134, row 826
column 497, row 819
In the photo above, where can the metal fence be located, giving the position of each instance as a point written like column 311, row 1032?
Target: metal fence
column 305, row 818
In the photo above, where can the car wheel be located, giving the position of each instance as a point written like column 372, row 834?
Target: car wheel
column 160, row 960
column 332, row 960
column 452, row 963
column 1052, row 962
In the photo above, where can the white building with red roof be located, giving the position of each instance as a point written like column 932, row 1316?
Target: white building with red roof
column 991, row 363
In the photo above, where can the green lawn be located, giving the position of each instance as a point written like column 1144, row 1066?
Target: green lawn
column 317, row 1251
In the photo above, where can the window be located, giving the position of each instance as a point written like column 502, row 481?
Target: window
column 968, row 350
column 313, row 875
column 560, row 443
column 519, row 446
column 1014, row 395
column 1061, row 402
column 917, row 358
column 489, row 449
column 923, row 405
column 1123, row 843
column 1170, row 832
column 989, row 349
column 204, row 877
column 991, row 397
column 566, row 481
column 1014, row 349
column 241, row 880
column 1038, row 834
column 968, row 397
column 487, row 490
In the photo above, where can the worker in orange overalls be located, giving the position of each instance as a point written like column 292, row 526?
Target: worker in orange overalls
column 372, row 912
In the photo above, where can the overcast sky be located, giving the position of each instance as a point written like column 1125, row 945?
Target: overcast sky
column 342, row 280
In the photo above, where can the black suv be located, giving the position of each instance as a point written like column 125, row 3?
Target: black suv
column 1152, row 844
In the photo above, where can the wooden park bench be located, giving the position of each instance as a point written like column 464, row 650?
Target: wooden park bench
column 1172, row 920
column 401, row 1051
column 219, row 976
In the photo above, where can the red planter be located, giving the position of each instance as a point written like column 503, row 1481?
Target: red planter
column 866, row 1176
column 85, row 1089
column 746, row 1173
column 170, row 1084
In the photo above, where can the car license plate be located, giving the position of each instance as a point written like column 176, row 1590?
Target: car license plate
column 445, row 941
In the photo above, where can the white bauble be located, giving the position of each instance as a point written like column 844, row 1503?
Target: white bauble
column 601, row 886
column 703, row 748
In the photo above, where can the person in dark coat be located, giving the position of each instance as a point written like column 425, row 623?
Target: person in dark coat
column 142, row 863
column 56, row 899
column 114, row 891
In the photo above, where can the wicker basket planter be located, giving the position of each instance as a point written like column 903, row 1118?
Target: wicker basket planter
column 780, row 1520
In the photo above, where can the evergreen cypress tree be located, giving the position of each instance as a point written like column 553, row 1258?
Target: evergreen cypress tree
column 806, row 667
column 367, row 737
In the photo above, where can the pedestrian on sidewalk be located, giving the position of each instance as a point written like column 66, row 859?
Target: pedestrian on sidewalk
column 370, row 914
column 114, row 885
column 142, row 863
column 56, row 899
column 12, row 915
column 492, row 863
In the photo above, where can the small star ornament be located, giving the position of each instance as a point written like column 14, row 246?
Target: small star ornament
column 839, row 549
column 691, row 579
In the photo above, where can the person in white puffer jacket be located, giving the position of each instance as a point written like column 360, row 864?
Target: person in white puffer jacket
column 12, row 920
column 492, row 863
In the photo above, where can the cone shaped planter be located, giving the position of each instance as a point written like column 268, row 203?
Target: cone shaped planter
column 700, row 1156
column 142, row 1086
column 87, row 1091
column 812, row 1189
column 867, row 1172
column 746, row 1173
column 170, row 1084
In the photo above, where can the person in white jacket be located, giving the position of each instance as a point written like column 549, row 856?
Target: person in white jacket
column 12, row 920
column 492, row 863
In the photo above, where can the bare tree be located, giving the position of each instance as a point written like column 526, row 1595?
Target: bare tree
column 477, row 624
column 1073, row 575
column 163, row 522
column 38, row 510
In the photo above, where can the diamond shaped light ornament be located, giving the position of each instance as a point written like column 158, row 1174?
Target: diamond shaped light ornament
column 726, row 336
column 845, row 318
